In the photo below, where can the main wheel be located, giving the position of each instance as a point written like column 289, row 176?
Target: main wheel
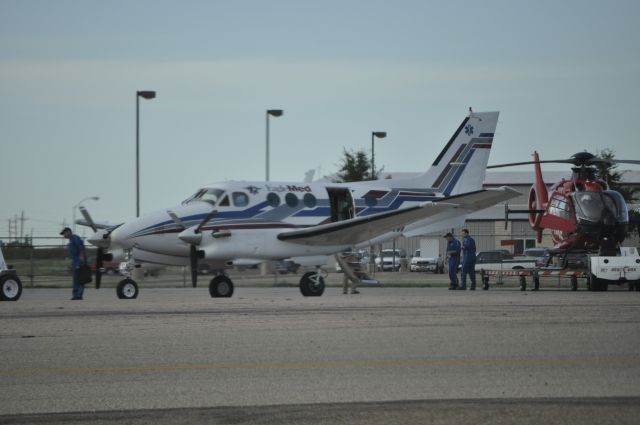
column 221, row 287
column 312, row 284
column 10, row 287
column 127, row 289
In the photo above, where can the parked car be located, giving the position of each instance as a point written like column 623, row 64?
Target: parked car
column 426, row 264
column 108, row 267
column 361, row 257
column 389, row 259
column 496, row 260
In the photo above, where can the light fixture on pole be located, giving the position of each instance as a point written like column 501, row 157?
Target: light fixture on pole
column 73, row 211
column 275, row 113
column 379, row 135
column 145, row 94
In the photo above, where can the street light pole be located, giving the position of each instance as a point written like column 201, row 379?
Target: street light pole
column 73, row 211
column 146, row 94
column 275, row 113
column 379, row 135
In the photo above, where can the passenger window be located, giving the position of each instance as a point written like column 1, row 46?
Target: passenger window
column 240, row 199
column 224, row 202
column 291, row 200
column 309, row 200
column 273, row 199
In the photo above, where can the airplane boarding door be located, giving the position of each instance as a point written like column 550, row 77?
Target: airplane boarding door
column 341, row 204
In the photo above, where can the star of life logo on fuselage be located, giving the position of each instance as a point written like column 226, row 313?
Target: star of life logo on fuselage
column 468, row 129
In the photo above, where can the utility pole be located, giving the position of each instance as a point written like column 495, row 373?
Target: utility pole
column 10, row 230
column 22, row 220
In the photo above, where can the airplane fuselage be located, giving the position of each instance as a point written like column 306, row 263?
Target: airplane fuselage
column 250, row 215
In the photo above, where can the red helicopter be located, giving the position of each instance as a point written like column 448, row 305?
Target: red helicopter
column 583, row 213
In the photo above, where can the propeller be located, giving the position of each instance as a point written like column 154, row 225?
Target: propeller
column 192, row 236
column 100, row 252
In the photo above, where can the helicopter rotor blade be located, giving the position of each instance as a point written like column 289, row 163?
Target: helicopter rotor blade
column 547, row 161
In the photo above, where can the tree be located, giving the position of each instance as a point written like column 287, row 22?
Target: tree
column 355, row 167
column 608, row 173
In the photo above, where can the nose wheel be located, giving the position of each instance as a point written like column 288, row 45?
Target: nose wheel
column 127, row 289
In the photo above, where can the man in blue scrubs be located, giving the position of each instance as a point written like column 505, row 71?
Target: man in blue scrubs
column 453, row 257
column 76, row 249
column 468, row 260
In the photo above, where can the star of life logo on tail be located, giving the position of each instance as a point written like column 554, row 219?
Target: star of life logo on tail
column 468, row 129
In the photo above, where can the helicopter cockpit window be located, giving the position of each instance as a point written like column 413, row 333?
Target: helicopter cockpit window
column 622, row 215
column 560, row 207
column 211, row 195
column 591, row 205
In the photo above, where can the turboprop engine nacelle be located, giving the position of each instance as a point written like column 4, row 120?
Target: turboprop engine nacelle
column 101, row 238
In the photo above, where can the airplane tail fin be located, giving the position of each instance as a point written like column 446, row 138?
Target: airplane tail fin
column 461, row 165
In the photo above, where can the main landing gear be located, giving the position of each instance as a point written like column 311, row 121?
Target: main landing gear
column 221, row 287
column 312, row 283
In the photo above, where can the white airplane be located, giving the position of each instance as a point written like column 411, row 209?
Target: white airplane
column 241, row 222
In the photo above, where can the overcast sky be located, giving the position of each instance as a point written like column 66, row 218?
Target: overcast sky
column 563, row 74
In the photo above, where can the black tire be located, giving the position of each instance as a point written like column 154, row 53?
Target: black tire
column 312, row 284
column 598, row 285
column 10, row 287
column 221, row 287
column 127, row 289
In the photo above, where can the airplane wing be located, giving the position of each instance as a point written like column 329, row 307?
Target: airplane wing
column 467, row 204
column 361, row 229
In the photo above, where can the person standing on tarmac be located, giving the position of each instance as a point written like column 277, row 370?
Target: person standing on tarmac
column 453, row 258
column 468, row 260
column 76, row 249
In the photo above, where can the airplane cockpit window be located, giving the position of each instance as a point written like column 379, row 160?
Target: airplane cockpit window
column 240, row 199
column 224, row 202
column 210, row 195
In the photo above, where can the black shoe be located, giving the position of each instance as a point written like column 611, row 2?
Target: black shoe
column 76, row 298
column 462, row 288
column 473, row 288
column 453, row 288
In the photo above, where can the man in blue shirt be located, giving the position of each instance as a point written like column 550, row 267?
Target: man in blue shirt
column 453, row 257
column 76, row 249
column 468, row 260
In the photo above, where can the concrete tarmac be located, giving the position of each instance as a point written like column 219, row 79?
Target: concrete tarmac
column 268, row 355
